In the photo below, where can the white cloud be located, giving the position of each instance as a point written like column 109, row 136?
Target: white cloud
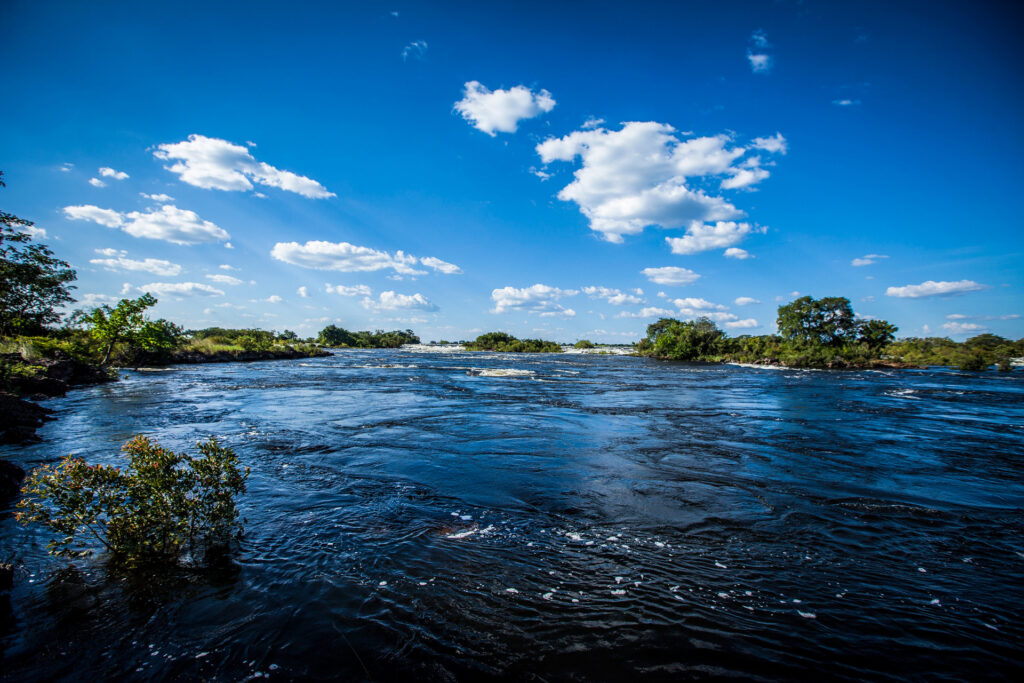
column 354, row 290
column 867, row 259
column 390, row 301
column 179, row 290
column 636, row 177
column 88, row 212
column 108, row 172
column 694, row 303
column 933, row 288
column 34, row 231
column 302, row 292
column 702, row 237
column 737, row 253
column 168, row 223
column 670, row 275
column 773, row 144
column 964, row 328
column 417, row 49
column 215, row 164
column 344, row 257
column 96, row 299
column 648, row 312
column 537, row 298
column 117, row 261
column 162, row 198
column 759, row 38
column 760, row 62
column 501, row 110
column 592, row 122
column 615, row 297
column 741, row 324
column 845, row 103
column 66, row 168
column 225, row 280
column 745, row 301
column 441, row 266
column 96, row 182
column 225, row 266
column 273, row 299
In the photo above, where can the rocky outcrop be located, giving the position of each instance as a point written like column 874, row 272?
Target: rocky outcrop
column 19, row 419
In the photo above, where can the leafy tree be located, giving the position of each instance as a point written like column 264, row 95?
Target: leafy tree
column 160, row 505
column 127, row 323
column 256, row 340
column 876, row 333
column 583, row 344
column 506, row 343
column 33, row 282
column 334, row 336
column 673, row 339
column 818, row 322
column 287, row 335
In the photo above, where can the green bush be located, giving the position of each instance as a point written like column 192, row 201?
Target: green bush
column 976, row 362
column 583, row 344
column 161, row 505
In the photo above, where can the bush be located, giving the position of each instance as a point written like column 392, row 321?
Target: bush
column 160, row 506
column 583, row 344
column 976, row 362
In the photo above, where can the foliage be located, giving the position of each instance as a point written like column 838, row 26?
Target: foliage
column 334, row 336
column 818, row 322
column 127, row 323
column 256, row 340
column 583, row 344
column 504, row 342
column 974, row 362
column 161, row 505
column 677, row 340
column 990, row 348
column 876, row 334
column 33, row 282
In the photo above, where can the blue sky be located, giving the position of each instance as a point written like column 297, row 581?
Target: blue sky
column 561, row 170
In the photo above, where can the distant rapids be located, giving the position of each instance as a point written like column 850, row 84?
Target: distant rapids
column 433, row 514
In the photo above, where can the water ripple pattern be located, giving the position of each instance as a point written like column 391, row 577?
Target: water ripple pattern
column 461, row 516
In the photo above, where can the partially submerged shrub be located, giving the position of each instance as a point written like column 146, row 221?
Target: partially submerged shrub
column 161, row 505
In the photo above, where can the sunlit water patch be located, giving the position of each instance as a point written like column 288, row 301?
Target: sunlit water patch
column 430, row 516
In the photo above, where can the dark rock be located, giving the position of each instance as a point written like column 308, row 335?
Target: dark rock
column 11, row 477
column 20, row 419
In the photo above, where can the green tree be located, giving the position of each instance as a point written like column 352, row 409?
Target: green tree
column 814, row 322
column 583, row 344
column 33, row 282
column 126, row 322
column 161, row 504
column 876, row 334
column 256, row 340
column 334, row 336
column 673, row 339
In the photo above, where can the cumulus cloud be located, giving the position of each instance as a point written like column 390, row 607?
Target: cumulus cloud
column 417, row 49
column 91, row 300
column 179, row 290
column 441, row 266
column 88, row 212
column 933, row 288
column 108, row 172
column 162, row 198
column 737, row 253
column 225, row 266
column 215, row 164
column 354, row 290
column 351, row 258
column 741, row 324
column 66, row 167
column 390, row 301
column 501, row 110
column 703, row 237
column 273, row 299
column 615, row 297
column 648, row 312
column 757, row 53
column 745, row 301
column 670, row 275
column 118, row 261
column 168, row 223
column 964, row 328
column 302, row 292
column 225, row 280
column 96, row 182
column 636, row 177
column 34, row 231
column 867, row 259
column 537, row 298
column 697, row 304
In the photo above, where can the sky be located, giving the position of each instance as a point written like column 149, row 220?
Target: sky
column 554, row 170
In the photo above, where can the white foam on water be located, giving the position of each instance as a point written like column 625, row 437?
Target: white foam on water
column 720, row 565
column 807, row 615
column 469, row 532
column 511, row 590
column 501, row 372
column 618, row 592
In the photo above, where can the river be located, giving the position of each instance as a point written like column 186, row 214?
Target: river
column 457, row 516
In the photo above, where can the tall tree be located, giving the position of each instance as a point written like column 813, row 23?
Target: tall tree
column 33, row 282
column 126, row 322
column 818, row 322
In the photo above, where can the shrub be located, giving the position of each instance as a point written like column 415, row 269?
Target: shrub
column 584, row 344
column 976, row 362
column 160, row 506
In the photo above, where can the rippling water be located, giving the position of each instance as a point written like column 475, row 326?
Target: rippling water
column 583, row 517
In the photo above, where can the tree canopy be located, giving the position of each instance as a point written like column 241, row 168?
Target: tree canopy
column 126, row 322
column 33, row 282
column 829, row 321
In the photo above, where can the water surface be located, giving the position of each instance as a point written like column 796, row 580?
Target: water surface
column 456, row 516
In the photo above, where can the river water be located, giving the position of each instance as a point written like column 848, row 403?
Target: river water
column 458, row 516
